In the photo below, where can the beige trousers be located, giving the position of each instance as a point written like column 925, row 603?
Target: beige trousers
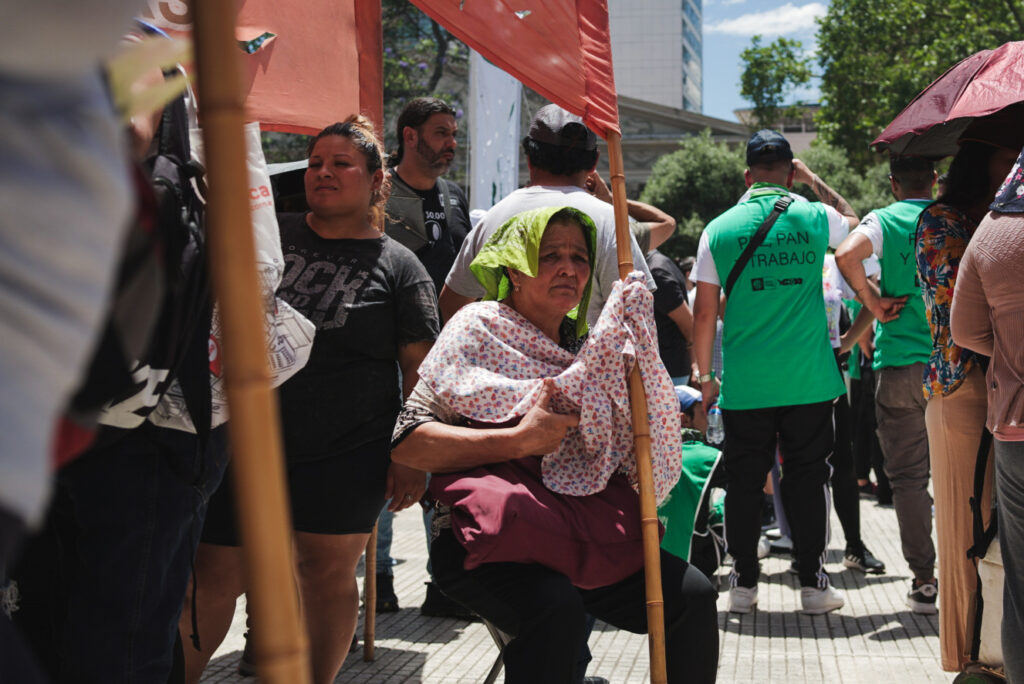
column 954, row 424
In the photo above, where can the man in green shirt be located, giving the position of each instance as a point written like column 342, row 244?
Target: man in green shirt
column 903, row 343
column 780, row 377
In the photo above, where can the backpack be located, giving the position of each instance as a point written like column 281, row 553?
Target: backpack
column 158, row 325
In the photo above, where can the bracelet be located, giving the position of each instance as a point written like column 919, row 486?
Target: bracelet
column 707, row 377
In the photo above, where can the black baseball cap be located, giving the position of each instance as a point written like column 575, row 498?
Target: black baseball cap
column 555, row 126
column 767, row 146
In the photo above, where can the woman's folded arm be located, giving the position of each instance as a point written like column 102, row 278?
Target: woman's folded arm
column 423, row 440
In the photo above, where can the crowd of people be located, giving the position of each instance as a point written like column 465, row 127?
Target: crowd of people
column 478, row 370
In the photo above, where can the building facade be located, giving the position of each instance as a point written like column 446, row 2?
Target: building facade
column 657, row 47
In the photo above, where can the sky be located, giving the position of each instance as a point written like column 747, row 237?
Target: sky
column 728, row 27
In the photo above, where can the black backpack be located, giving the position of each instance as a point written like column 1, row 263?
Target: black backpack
column 158, row 325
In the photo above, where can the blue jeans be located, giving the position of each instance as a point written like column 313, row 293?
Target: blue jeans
column 385, row 535
column 1010, row 494
column 102, row 586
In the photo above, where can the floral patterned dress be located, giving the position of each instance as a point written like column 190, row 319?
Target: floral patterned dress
column 942, row 236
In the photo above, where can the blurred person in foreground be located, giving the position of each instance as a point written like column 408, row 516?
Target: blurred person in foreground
column 987, row 316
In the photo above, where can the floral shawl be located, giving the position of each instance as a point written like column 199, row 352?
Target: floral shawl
column 489, row 363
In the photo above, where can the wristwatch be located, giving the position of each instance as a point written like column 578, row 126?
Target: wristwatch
column 707, row 377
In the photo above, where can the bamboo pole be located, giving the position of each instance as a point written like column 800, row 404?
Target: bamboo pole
column 280, row 644
column 641, row 437
column 370, row 597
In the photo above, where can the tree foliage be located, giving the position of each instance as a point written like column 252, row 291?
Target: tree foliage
column 704, row 178
column 420, row 59
column 878, row 54
column 770, row 74
column 694, row 184
column 864, row 190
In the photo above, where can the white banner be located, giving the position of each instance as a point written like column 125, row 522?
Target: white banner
column 494, row 110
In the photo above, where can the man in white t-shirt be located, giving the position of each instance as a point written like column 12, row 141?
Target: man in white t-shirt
column 903, row 345
column 561, row 153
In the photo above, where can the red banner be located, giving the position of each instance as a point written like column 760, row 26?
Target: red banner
column 321, row 63
column 560, row 48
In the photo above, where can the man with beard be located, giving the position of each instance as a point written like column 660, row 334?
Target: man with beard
column 430, row 216
column 425, row 212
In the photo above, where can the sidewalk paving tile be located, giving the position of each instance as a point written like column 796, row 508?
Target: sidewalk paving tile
column 873, row 638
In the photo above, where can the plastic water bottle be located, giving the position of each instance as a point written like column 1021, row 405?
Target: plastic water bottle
column 716, row 428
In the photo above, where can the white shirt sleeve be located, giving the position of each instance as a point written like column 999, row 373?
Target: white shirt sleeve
column 871, row 228
column 872, row 266
column 639, row 261
column 705, row 271
column 838, row 227
column 460, row 279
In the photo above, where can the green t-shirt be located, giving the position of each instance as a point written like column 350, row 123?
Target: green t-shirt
column 908, row 339
column 775, row 344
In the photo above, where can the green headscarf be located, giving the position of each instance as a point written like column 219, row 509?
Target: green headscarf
column 517, row 245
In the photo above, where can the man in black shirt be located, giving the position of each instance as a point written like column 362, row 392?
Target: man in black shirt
column 425, row 212
column 430, row 216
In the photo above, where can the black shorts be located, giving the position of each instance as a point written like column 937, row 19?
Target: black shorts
column 341, row 494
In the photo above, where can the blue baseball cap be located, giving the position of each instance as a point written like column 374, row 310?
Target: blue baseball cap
column 688, row 396
column 767, row 146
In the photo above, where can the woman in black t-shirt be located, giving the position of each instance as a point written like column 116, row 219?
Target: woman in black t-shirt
column 374, row 308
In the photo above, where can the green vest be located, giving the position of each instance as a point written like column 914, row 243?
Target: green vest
column 678, row 512
column 775, row 345
column 908, row 339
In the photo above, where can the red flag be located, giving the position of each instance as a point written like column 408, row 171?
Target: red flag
column 321, row 63
column 560, row 48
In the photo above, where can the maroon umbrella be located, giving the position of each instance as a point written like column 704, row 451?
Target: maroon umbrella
column 984, row 84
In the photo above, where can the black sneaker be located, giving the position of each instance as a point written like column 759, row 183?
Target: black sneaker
column 436, row 604
column 864, row 561
column 922, row 595
column 387, row 602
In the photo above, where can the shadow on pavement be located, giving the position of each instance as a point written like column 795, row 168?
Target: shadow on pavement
column 386, row 661
column 408, row 625
column 792, row 624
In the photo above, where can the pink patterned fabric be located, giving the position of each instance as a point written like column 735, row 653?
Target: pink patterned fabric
column 489, row 363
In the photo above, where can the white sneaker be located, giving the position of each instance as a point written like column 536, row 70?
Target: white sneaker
column 742, row 599
column 820, row 601
column 764, row 547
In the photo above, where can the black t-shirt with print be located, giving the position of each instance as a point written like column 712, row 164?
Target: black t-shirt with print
column 446, row 227
column 366, row 298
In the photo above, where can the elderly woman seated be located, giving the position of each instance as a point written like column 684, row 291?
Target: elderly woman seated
column 523, row 419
